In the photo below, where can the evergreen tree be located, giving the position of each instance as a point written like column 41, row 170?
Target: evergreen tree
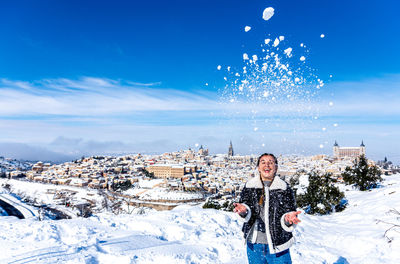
column 361, row 175
column 321, row 196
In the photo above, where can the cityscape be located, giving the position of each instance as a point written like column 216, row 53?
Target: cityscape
column 169, row 179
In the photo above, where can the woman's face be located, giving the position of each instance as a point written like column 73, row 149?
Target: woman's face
column 267, row 168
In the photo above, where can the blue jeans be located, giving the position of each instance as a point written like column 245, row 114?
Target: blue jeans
column 259, row 254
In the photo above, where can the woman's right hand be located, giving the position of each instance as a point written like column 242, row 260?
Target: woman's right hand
column 239, row 208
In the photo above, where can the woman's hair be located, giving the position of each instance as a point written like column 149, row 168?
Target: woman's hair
column 268, row 154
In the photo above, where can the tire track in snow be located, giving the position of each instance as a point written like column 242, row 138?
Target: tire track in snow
column 113, row 245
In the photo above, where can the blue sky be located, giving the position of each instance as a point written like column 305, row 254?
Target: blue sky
column 87, row 77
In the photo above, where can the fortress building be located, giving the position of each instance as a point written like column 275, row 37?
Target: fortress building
column 348, row 152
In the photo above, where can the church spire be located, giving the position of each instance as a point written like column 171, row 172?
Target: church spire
column 230, row 151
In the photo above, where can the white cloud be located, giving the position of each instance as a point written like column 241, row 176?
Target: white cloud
column 92, row 97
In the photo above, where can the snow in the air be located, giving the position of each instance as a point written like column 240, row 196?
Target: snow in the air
column 288, row 52
column 302, row 58
column 245, row 56
column 219, row 67
column 268, row 13
column 247, row 28
column 190, row 234
column 322, row 36
column 276, row 42
column 266, row 41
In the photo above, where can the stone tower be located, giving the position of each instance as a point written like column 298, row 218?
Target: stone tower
column 336, row 150
column 362, row 148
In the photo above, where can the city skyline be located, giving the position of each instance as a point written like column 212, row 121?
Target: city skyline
column 86, row 78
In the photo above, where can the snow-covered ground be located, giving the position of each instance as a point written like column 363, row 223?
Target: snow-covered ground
column 194, row 235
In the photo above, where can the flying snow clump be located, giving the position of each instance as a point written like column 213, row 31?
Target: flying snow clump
column 288, row 52
column 276, row 42
column 245, row 56
column 302, row 58
column 268, row 13
column 247, row 28
column 322, row 36
column 219, row 67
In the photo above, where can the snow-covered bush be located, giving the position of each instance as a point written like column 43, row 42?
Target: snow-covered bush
column 316, row 193
column 361, row 175
column 219, row 205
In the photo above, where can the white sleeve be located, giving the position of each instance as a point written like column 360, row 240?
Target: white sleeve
column 247, row 218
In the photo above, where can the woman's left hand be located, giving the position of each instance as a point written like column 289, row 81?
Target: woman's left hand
column 291, row 217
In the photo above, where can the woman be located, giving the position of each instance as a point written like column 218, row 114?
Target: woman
column 268, row 207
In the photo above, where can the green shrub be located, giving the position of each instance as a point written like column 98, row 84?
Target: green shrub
column 321, row 196
column 362, row 176
column 211, row 203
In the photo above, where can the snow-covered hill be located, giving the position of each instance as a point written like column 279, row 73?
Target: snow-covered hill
column 13, row 164
column 194, row 235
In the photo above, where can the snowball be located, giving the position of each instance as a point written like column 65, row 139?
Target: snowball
column 335, row 125
column 301, row 45
column 281, row 38
column 302, row 58
column 268, row 13
column 255, row 58
column 229, row 68
column 256, row 128
column 322, row 36
column 266, row 94
column 324, row 128
column 206, row 84
column 276, row 42
column 196, row 145
column 330, row 76
column 267, row 41
column 247, row 28
column 245, row 56
column 232, row 100
column 321, row 146
column 219, row 67
column 288, row 51
column 296, row 79
column 263, row 145
column 330, row 103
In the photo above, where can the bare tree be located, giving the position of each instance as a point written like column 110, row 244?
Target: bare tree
column 393, row 227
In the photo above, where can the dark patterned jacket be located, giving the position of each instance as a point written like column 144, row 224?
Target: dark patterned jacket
column 279, row 200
